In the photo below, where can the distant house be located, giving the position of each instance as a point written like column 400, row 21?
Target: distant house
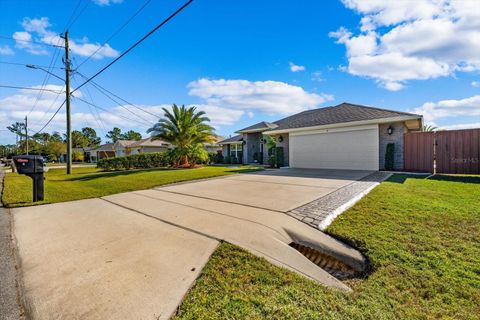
column 129, row 147
column 214, row 146
column 96, row 153
column 123, row 148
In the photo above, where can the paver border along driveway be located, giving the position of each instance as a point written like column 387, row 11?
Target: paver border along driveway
column 134, row 255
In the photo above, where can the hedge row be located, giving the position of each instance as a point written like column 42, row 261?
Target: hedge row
column 148, row 160
column 136, row 161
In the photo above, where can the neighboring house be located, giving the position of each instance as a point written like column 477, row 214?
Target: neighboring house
column 345, row 136
column 129, row 147
column 94, row 154
column 214, row 146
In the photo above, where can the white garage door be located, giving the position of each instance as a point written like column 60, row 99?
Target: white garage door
column 355, row 149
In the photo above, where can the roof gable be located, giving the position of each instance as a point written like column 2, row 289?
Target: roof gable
column 258, row 127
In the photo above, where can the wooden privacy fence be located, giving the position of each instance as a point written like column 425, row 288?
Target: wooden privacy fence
column 456, row 151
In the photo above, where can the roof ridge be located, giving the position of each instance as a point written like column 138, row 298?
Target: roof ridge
column 376, row 108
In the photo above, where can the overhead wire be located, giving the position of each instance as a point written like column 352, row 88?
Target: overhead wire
column 108, row 111
column 120, row 98
column 29, row 88
column 170, row 17
column 115, row 32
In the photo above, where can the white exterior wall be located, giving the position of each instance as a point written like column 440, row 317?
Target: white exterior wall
column 355, row 148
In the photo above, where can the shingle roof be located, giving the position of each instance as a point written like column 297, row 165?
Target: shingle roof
column 104, row 147
column 149, row 142
column 342, row 113
column 236, row 138
column 258, row 126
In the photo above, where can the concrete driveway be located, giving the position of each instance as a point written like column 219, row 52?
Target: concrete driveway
column 278, row 190
column 135, row 255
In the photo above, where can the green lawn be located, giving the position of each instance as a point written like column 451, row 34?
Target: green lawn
column 421, row 236
column 89, row 182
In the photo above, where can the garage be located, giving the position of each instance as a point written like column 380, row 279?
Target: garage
column 353, row 148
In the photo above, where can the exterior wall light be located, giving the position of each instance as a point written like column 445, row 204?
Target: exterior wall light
column 390, row 130
column 280, row 139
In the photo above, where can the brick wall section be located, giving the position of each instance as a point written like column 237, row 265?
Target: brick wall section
column 397, row 138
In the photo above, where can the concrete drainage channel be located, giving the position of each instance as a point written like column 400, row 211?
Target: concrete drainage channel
column 330, row 264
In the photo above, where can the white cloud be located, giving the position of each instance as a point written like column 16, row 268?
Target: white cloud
column 317, row 76
column 296, row 68
column 106, row 2
column 6, row 50
column 13, row 108
column 461, row 126
column 476, row 84
column 39, row 27
column 23, row 40
column 271, row 97
column 468, row 107
column 412, row 40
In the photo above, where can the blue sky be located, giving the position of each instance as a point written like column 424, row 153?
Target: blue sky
column 246, row 61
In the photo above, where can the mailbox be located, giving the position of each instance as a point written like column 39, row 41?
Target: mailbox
column 34, row 167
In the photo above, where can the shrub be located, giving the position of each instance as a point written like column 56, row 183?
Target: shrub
column 197, row 154
column 136, row 161
column 389, row 157
column 78, row 156
column 215, row 157
column 271, row 160
column 279, row 161
column 227, row 159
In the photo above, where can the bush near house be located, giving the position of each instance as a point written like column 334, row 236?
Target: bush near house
column 279, row 157
column 389, row 160
column 137, row 161
column 215, row 158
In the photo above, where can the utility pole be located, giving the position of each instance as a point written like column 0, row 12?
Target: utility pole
column 67, row 104
column 26, row 133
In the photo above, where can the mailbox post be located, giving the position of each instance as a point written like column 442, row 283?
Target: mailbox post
column 34, row 167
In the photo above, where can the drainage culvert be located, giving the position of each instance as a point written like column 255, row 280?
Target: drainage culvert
column 333, row 266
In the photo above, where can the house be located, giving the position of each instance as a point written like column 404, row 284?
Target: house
column 345, row 136
column 124, row 148
column 129, row 147
column 94, row 154
column 213, row 146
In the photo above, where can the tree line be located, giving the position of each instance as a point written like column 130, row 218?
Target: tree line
column 53, row 145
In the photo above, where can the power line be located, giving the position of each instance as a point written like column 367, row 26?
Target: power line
column 116, row 32
column 135, row 44
column 108, row 111
column 30, row 88
column 53, row 61
column 119, row 104
column 26, row 64
column 94, row 112
column 48, row 122
column 50, row 107
column 30, row 41
column 71, row 22
column 72, row 14
column 120, row 98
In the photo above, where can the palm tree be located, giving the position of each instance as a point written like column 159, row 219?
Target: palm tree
column 429, row 128
column 19, row 129
column 185, row 128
